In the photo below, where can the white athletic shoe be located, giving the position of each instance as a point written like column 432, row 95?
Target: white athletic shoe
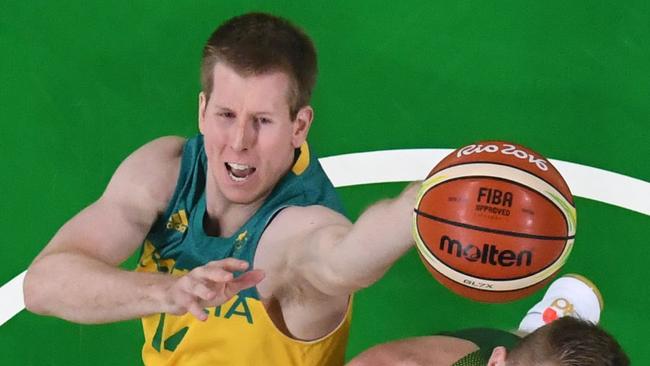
column 570, row 295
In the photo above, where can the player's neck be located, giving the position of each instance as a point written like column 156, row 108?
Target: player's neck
column 223, row 217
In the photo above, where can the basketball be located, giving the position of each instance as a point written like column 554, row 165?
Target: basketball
column 494, row 221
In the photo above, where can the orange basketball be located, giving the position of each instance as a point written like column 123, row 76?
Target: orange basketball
column 494, row 221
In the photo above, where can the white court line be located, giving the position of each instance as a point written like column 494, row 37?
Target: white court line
column 11, row 295
column 414, row 164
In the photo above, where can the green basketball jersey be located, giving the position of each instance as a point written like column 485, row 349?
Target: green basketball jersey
column 239, row 332
column 486, row 339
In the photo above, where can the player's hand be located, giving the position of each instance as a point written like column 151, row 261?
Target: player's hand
column 210, row 285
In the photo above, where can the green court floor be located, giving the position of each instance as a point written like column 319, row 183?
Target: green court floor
column 82, row 84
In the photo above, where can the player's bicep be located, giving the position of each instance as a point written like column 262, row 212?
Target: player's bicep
column 105, row 230
column 302, row 242
column 324, row 257
column 114, row 226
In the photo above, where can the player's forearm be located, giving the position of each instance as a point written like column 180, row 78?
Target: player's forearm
column 379, row 237
column 85, row 290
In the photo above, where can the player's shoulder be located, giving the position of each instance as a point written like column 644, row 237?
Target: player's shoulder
column 291, row 232
column 297, row 226
column 150, row 172
column 162, row 148
column 159, row 153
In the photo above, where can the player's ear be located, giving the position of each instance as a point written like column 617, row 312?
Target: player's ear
column 202, row 105
column 498, row 357
column 301, row 125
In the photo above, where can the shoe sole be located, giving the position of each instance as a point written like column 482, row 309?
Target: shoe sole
column 592, row 286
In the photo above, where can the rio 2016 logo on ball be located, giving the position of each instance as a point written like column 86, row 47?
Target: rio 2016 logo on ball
column 494, row 221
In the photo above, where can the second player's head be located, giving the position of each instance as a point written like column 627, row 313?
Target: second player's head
column 564, row 342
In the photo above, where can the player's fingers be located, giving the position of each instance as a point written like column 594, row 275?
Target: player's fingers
column 230, row 264
column 221, row 270
column 203, row 292
column 184, row 300
column 195, row 309
column 246, row 280
column 212, row 273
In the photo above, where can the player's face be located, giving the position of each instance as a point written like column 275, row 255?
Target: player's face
column 249, row 135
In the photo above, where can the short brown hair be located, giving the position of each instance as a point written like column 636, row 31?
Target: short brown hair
column 257, row 43
column 569, row 342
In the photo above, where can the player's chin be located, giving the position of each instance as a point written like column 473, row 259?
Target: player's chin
column 242, row 199
column 244, row 194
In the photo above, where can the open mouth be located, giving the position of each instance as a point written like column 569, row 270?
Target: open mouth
column 239, row 172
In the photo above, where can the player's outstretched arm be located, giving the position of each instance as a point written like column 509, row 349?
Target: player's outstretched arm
column 334, row 257
column 76, row 276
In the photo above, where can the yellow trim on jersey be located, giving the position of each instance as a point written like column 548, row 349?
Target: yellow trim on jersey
column 303, row 160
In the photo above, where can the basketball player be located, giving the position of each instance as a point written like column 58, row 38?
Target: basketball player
column 560, row 330
column 246, row 257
